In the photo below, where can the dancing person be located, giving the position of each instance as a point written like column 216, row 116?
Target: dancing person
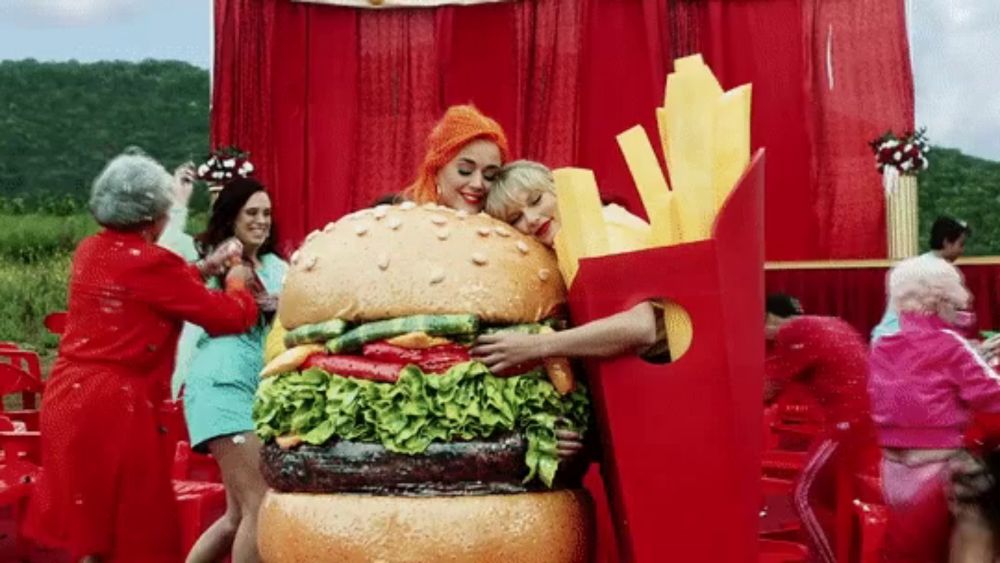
column 925, row 384
column 220, row 385
column 947, row 242
column 106, row 494
column 828, row 358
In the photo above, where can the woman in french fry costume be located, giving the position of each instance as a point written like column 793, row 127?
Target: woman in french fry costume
column 524, row 196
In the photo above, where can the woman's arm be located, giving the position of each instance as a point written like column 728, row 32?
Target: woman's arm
column 622, row 333
column 172, row 287
column 173, row 236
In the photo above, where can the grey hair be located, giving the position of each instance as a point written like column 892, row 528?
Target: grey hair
column 926, row 284
column 131, row 190
column 533, row 177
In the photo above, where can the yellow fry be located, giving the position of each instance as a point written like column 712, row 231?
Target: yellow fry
column 732, row 141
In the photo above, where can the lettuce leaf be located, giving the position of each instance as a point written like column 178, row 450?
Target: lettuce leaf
column 465, row 403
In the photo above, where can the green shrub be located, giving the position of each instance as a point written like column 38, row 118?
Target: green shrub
column 28, row 292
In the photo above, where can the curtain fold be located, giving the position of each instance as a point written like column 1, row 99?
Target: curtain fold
column 334, row 103
column 858, row 295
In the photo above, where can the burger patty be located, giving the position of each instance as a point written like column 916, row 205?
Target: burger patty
column 457, row 468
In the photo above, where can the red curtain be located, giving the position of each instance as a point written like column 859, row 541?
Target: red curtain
column 334, row 103
column 858, row 295
column 827, row 78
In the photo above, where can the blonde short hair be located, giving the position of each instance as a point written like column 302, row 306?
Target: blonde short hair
column 925, row 284
column 526, row 175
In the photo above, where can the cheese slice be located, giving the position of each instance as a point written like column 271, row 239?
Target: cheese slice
column 274, row 343
column 291, row 359
column 417, row 340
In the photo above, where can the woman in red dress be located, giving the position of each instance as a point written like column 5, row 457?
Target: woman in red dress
column 105, row 493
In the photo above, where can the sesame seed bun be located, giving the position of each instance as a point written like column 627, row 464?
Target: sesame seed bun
column 552, row 527
column 399, row 260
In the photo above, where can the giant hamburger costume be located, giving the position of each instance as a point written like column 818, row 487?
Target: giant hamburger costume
column 383, row 440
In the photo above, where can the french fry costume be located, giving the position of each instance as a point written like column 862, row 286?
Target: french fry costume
column 681, row 454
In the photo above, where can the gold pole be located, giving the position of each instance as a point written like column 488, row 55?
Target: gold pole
column 901, row 212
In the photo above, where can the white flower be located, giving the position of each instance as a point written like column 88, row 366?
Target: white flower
column 249, row 166
column 203, row 169
column 907, row 147
column 212, row 161
column 229, row 163
column 218, row 175
column 897, row 156
column 891, row 143
column 925, row 165
column 906, row 165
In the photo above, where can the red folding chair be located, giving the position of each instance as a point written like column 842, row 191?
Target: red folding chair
column 55, row 322
column 872, row 520
column 200, row 503
column 15, row 380
column 776, row 551
column 19, row 470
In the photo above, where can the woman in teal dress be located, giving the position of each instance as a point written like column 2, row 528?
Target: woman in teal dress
column 223, row 375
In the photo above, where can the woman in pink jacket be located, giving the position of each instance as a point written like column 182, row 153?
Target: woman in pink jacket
column 925, row 383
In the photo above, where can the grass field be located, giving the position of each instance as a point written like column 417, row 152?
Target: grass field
column 35, row 254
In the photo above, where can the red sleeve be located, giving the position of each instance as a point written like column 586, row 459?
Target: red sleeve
column 791, row 354
column 175, row 289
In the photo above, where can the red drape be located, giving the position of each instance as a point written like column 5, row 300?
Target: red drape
column 827, row 78
column 334, row 103
column 858, row 295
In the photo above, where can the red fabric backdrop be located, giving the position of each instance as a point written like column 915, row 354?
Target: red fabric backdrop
column 334, row 103
column 858, row 295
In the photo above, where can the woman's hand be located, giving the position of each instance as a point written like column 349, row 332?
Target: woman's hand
column 502, row 351
column 568, row 444
column 267, row 302
column 184, row 177
column 989, row 349
column 227, row 254
column 240, row 276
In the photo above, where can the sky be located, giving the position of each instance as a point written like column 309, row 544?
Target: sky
column 954, row 46
column 92, row 30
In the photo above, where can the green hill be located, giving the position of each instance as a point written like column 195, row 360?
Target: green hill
column 965, row 187
column 59, row 122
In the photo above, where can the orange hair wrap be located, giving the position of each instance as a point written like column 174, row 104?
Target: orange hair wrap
column 459, row 126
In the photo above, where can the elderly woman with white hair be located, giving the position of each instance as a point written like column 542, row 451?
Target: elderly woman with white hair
column 925, row 383
column 105, row 494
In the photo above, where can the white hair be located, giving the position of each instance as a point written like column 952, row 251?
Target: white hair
column 131, row 190
column 926, row 284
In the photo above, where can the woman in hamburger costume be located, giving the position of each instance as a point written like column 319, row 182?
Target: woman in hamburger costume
column 464, row 152
column 223, row 376
column 384, row 440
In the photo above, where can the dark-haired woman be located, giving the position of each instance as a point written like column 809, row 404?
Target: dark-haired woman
column 220, row 385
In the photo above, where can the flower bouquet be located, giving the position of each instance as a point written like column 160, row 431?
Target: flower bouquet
column 900, row 158
column 224, row 164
